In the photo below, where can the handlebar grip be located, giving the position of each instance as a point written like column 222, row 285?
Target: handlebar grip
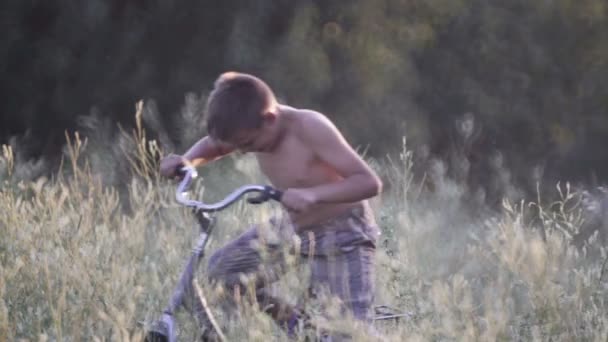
column 274, row 194
column 269, row 193
column 180, row 172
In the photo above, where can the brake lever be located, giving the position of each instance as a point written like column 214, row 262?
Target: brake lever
column 269, row 193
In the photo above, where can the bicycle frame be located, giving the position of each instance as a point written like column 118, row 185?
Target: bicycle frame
column 165, row 328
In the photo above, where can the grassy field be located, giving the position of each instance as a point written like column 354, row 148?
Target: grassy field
column 81, row 260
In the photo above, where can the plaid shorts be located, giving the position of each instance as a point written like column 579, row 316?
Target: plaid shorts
column 340, row 252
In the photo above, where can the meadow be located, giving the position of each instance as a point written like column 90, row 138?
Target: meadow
column 84, row 259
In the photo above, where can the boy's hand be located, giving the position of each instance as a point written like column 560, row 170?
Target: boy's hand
column 298, row 200
column 170, row 165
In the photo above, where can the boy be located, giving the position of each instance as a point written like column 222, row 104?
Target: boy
column 325, row 186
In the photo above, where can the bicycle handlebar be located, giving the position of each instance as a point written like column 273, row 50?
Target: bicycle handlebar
column 266, row 193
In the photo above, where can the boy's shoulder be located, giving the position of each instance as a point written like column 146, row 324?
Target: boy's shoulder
column 309, row 123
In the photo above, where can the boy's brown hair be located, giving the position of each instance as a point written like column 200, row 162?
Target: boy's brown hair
column 237, row 101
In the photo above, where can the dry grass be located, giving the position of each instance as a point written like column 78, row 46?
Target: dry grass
column 84, row 260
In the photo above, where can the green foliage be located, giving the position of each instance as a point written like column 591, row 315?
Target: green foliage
column 531, row 73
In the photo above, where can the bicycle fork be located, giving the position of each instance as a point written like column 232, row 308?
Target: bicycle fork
column 184, row 294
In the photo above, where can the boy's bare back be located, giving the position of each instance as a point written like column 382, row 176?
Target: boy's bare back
column 313, row 157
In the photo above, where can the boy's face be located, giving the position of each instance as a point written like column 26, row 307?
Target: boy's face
column 261, row 139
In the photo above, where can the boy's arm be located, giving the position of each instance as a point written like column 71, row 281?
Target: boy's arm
column 203, row 151
column 206, row 150
column 358, row 182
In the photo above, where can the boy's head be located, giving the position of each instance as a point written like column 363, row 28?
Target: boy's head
column 238, row 102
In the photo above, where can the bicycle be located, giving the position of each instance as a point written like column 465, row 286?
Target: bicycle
column 164, row 329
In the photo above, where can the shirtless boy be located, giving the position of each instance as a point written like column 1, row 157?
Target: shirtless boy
column 325, row 188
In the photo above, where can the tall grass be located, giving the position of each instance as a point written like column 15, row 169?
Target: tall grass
column 87, row 257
